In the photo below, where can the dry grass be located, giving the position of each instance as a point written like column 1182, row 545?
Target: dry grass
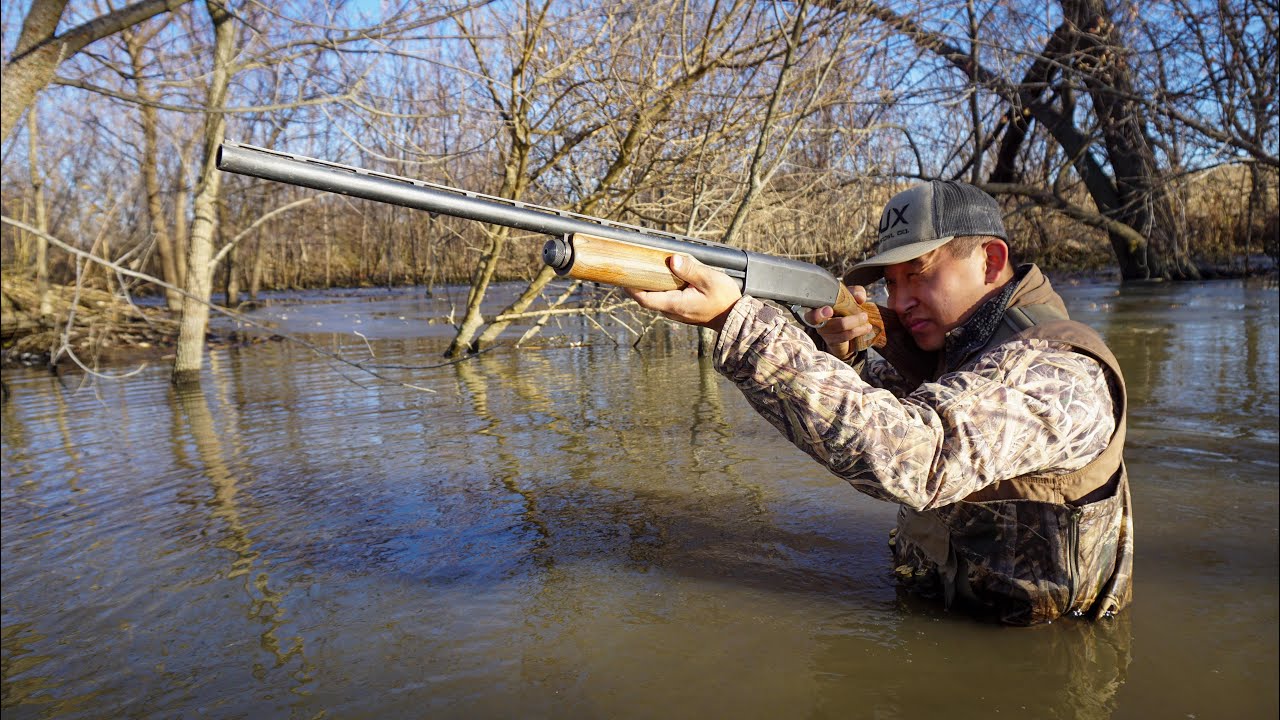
column 1221, row 226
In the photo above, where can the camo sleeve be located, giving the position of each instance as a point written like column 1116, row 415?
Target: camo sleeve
column 871, row 367
column 1025, row 407
column 879, row 373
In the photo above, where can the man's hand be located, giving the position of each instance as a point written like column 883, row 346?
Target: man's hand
column 705, row 300
column 839, row 332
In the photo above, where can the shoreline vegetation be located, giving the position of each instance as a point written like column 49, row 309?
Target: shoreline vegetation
column 97, row 316
column 94, row 327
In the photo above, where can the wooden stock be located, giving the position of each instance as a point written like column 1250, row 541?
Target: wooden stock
column 846, row 305
column 612, row 262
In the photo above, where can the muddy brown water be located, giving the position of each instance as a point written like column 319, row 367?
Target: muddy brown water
column 578, row 530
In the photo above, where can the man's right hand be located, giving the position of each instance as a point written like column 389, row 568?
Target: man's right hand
column 839, row 332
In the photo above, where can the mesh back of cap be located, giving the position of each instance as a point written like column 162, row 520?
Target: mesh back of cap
column 961, row 210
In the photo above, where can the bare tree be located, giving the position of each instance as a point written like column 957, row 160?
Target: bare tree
column 655, row 58
column 135, row 41
column 1212, row 75
column 1113, row 156
column 1213, row 71
column 195, row 305
column 40, row 50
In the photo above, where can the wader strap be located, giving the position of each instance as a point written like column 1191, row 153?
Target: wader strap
column 1020, row 318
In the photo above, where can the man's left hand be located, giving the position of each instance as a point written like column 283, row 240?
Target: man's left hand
column 706, row 299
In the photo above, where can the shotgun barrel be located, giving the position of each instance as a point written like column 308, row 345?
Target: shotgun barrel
column 783, row 280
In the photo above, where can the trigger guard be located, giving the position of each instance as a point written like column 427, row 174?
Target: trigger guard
column 798, row 311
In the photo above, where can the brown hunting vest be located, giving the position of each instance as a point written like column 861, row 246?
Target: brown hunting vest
column 1030, row 549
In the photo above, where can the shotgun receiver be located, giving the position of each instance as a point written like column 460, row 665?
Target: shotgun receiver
column 583, row 247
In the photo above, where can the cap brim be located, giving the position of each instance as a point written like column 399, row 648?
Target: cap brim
column 872, row 269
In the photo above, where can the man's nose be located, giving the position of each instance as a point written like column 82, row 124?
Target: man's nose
column 901, row 302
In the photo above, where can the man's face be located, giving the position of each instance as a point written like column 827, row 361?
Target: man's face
column 936, row 293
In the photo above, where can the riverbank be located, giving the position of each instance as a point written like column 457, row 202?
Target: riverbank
column 93, row 324
column 104, row 328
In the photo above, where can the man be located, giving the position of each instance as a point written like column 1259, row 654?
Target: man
column 998, row 426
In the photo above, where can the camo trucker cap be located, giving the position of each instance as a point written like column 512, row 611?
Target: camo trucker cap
column 924, row 218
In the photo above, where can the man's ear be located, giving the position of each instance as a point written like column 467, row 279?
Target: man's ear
column 997, row 259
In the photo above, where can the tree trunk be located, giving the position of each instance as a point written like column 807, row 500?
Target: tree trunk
column 413, row 254
column 1142, row 201
column 35, row 58
column 522, row 303
column 255, row 276
column 389, row 243
column 151, row 175
column 473, row 320
column 1132, row 191
column 180, row 200
column 195, row 306
column 41, row 219
column 300, row 276
column 328, row 261
column 23, row 245
column 39, row 52
column 514, row 182
column 231, row 289
column 363, row 261
column 515, row 107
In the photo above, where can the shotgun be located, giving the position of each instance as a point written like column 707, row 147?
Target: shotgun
column 582, row 247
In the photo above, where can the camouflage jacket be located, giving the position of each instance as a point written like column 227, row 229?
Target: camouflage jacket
column 983, row 416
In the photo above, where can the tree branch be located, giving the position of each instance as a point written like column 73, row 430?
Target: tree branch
column 244, row 233
column 1055, row 202
column 78, row 37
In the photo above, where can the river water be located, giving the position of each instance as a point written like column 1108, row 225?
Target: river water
column 575, row 529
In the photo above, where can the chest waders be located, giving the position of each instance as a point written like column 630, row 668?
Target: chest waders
column 1030, row 549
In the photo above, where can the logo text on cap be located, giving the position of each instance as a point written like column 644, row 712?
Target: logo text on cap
column 886, row 222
